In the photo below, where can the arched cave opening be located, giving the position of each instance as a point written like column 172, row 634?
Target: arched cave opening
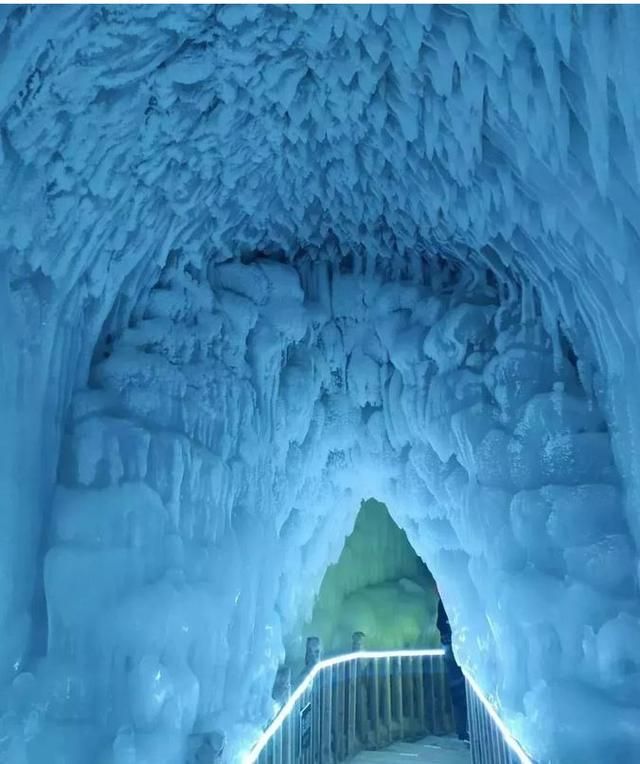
column 378, row 586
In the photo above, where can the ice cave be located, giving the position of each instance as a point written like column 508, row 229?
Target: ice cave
column 261, row 263
column 379, row 586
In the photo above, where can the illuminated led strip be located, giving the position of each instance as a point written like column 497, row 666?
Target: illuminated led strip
column 508, row 738
column 288, row 707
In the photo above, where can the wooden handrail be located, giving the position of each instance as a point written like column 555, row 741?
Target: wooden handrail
column 365, row 699
column 368, row 700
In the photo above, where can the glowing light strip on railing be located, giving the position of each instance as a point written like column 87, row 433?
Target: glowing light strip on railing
column 519, row 751
column 288, row 707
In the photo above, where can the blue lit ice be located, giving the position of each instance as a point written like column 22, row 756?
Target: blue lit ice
column 261, row 262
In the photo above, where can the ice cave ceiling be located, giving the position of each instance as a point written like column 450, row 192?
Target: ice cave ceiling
column 260, row 262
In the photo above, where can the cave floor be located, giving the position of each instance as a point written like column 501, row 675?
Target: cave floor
column 434, row 750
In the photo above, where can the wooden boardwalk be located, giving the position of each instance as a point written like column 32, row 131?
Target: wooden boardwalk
column 431, row 750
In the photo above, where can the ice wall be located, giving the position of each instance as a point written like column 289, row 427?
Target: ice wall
column 211, row 469
column 455, row 191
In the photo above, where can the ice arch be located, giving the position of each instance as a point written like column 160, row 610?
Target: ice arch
column 378, row 586
column 384, row 168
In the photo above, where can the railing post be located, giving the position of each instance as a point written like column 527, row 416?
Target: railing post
column 473, row 726
column 357, row 641
column 408, row 699
column 339, row 713
column 363, row 680
column 352, row 693
column 289, row 737
column 316, row 715
column 326, row 678
column 373, row 692
column 431, row 694
column 385, row 680
column 396, row 696
column 363, row 724
column 443, row 708
column 282, row 685
column 278, row 747
column 419, row 668
column 306, row 698
column 295, row 731
column 313, row 652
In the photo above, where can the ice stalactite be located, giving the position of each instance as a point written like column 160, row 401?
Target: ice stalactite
column 260, row 262
column 215, row 463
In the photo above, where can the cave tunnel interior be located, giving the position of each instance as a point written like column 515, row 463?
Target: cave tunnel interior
column 378, row 586
column 259, row 263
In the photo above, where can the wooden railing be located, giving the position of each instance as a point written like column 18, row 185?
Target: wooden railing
column 368, row 700
column 363, row 700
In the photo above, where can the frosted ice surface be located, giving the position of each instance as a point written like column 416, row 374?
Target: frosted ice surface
column 379, row 586
column 259, row 262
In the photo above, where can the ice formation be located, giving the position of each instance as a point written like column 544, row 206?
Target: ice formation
column 378, row 586
column 260, row 262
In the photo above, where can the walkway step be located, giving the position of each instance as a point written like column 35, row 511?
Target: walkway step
column 430, row 750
